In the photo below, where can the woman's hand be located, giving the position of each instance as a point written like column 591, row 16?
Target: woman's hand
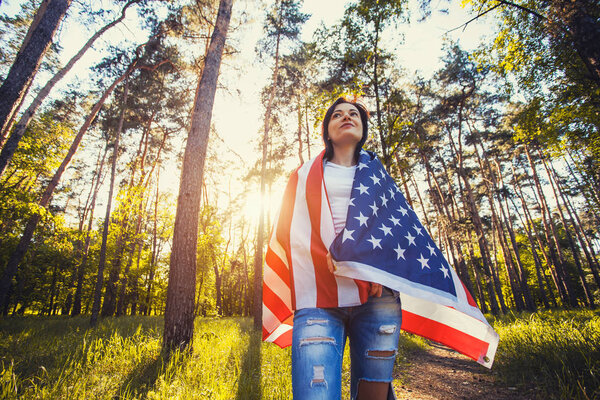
column 330, row 264
column 375, row 289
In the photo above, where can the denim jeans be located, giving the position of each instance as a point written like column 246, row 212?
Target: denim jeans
column 319, row 338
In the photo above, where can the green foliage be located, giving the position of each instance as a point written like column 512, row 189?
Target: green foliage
column 559, row 351
column 59, row 358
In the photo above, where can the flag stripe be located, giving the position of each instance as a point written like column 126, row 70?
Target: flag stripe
column 278, row 267
column 327, row 295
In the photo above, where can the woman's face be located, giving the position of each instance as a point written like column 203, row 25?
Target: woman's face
column 345, row 126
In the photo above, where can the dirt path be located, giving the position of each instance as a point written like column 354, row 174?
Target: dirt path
column 439, row 373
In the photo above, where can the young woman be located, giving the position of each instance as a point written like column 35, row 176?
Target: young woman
column 373, row 327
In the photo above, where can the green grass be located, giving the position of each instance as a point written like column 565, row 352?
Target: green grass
column 557, row 351
column 59, row 358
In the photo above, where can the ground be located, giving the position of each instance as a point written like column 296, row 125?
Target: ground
column 439, row 373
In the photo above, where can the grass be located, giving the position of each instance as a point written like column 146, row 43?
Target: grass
column 557, row 351
column 59, row 358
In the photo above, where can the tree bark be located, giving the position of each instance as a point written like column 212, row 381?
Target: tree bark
column 29, row 58
column 179, row 309
column 11, row 144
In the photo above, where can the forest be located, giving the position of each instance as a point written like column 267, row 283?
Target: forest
column 120, row 197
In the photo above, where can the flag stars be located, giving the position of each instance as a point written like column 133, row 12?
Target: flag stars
column 382, row 174
column 418, row 230
column 445, row 271
column 399, row 252
column 375, row 179
column 424, row 262
column 362, row 219
column 361, row 166
column 374, row 208
column 386, row 230
column 411, row 239
column 431, row 249
column 351, row 202
column 374, row 242
column 392, row 194
column 403, row 211
column 363, row 189
column 394, row 220
column 384, row 200
column 347, row 234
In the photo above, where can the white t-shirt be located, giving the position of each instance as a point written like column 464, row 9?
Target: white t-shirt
column 338, row 181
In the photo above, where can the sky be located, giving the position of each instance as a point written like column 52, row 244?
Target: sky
column 237, row 114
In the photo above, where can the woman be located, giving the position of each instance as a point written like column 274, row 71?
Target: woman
column 342, row 226
column 320, row 333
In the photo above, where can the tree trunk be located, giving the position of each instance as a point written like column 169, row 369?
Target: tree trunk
column 16, row 135
column 29, row 58
column 179, row 309
column 113, row 171
column 19, row 253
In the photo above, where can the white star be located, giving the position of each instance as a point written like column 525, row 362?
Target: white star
column 347, row 235
column 384, row 200
column 431, row 249
column 375, row 180
column 382, row 174
column 423, row 261
column 351, row 202
column 374, row 242
column 386, row 230
column 362, row 219
column 361, row 166
column 392, row 194
column 363, row 189
column 411, row 239
column 399, row 252
column 418, row 229
column 402, row 210
column 445, row 271
column 395, row 220
column 374, row 208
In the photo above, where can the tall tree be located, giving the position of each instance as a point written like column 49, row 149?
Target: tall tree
column 28, row 60
column 179, row 311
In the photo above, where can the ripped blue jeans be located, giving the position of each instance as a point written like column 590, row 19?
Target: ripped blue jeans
column 319, row 338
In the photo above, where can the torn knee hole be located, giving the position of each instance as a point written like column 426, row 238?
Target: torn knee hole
column 316, row 321
column 318, row 375
column 381, row 353
column 317, row 340
column 387, row 329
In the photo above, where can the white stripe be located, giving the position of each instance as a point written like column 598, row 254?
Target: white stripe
column 269, row 320
column 277, row 248
column 454, row 319
column 366, row 272
column 300, row 229
column 348, row 294
column 281, row 329
column 278, row 286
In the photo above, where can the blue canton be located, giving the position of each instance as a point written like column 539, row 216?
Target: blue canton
column 382, row 231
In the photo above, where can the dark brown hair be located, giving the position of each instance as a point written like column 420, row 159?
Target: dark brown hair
column 364, row 117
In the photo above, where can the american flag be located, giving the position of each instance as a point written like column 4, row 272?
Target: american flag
column 383, row 242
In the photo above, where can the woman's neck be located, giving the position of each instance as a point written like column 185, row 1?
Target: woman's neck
column 343, row 156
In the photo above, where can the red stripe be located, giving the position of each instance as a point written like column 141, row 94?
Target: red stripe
column 265, row 333
column 327, row 295
column 283, row 227
column 284, row 340
column 460, row 341
column 470, row 298
column 275, row 304
column 278, row 266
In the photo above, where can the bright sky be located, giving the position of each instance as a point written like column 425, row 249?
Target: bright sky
column 238, row 114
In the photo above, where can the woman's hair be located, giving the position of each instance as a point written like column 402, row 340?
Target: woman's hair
column 364, row 117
